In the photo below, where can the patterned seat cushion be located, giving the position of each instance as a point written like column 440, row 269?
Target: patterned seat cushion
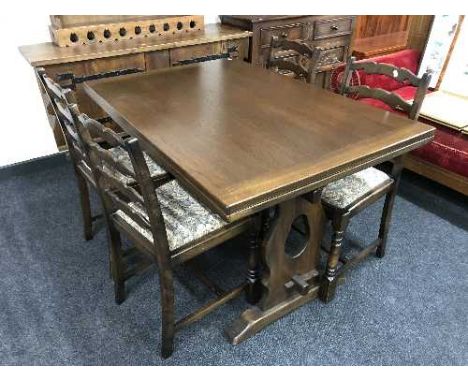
column 185, row 218
column 344, row 192
column 122, row 156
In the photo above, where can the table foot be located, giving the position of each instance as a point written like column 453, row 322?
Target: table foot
column 254, row 319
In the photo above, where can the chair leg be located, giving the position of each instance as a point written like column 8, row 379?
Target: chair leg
column 116, row 264
column 329, row 280
column 85, row 207
column 387, row 213
column 167, row 311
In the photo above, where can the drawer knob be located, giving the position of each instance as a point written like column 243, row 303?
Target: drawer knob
column 334, row 27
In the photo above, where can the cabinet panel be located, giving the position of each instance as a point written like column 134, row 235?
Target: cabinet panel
column 331, row 32
column 101, row 65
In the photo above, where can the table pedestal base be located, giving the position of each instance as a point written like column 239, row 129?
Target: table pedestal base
column 254, row 319
column 289, row 258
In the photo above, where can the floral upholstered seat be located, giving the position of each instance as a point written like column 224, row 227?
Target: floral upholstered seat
column 345, row 192
column 186, row 220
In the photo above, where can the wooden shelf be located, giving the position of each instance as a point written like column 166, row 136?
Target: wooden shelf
column 50, row 54
column 375, row 46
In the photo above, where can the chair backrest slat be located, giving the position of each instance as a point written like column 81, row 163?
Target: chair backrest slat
column 391, row 99
column 64, row 112
column 296, row 45
column 134, row 213
column 109, row 174
column 299, row 58
column 99, row 130
column 402, row 75
column 296, row 50
column 282, row 64
column 109, row 161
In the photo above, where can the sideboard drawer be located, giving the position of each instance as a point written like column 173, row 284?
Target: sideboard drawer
column 194, row 52
column 333, row 28
column 291, row 32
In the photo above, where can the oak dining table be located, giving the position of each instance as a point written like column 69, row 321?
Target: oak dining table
column 250, row 142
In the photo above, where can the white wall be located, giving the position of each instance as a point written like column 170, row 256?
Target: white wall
column 25, row 131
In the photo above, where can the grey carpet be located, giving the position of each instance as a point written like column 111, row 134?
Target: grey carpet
column 57, row 303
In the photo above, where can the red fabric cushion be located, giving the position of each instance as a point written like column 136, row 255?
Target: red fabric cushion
column 449, row 150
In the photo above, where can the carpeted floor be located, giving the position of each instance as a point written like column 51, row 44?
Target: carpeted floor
column 57, row 305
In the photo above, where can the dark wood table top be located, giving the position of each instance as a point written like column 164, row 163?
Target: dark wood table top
column 242, row 138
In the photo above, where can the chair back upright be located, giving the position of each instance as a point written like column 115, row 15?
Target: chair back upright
column 60, row 100
column 402, row 75
column 126, row 188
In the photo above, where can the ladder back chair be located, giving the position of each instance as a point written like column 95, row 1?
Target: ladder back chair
column 293, row 56
column 344, row 198
column 166, row 224
column 60, row 100
column 410, row 108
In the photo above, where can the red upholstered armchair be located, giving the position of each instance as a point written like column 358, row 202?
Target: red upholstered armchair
column 445, row 159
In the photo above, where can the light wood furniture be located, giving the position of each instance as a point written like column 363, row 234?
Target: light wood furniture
column 246, row 141
column 376, row 35
column 378, row 45
column 448, row 111
column 71, row 66
column 346, row 197
column 77, row 30
column 331, row 33
column 436, row 173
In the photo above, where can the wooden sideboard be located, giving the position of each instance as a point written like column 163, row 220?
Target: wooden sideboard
column 71, row 66
column 333, row 32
